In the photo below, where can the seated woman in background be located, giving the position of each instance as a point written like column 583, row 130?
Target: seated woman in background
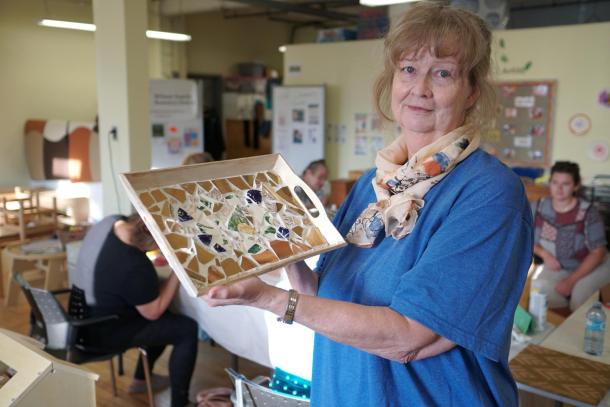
column 569, row 237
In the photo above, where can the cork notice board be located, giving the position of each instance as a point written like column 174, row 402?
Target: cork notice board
column 523, row 125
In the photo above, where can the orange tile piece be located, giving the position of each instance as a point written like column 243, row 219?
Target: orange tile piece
column 165, row 210
column 179, row 194
column 206, row 185
column 146, row 199
column 159, row 221
column 182, row 256
column 286, row 195
column 249, row 180
column 247, row 264
column 223, row 185
column 193, row 265
column 177, row 241
column 203, row 255
column 265, row 257
column 214, row 274
column 261, row 179
column 239, row 183
column 158, row 195
column 230, row 267
column 189, row 187
column 281, row 248
column 298, row 230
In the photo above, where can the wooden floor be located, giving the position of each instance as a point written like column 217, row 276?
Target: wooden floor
column 209, row 368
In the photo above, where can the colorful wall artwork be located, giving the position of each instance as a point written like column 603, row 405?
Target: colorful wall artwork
column 61, row 149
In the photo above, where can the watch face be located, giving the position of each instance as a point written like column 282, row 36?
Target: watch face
column 580, row 124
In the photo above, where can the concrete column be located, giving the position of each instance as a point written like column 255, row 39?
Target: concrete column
column 122, row 94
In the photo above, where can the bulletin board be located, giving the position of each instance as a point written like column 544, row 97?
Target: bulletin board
column 299, row 124
column 523, row 125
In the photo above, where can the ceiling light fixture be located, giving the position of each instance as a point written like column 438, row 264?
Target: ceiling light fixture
column 71, row 25
column 375, row 3
column 282, row 48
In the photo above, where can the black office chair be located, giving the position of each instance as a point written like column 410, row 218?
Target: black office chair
column 251, row 394
column 60, row 331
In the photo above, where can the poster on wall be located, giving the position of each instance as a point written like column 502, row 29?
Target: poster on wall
column 176, row 121
column 521, row 134
column 299, row 124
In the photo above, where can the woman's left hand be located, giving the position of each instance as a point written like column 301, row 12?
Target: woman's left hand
column 564, row 287
column 250, row 291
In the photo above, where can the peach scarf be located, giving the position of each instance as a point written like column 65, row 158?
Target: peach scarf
column 400, row 186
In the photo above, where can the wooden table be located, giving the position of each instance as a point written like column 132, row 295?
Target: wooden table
column 14, row 260
column 568, row 338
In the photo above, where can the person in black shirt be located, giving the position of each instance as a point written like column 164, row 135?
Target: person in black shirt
column 118, row 278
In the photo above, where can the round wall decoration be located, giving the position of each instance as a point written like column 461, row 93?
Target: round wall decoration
column 580, row 124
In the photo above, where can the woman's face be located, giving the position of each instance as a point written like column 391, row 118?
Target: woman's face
column 562, row 186
column 430, row 95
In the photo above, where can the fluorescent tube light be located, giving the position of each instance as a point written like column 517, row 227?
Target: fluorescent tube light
column 71, row 25
column 163, row 35
column 374, row 3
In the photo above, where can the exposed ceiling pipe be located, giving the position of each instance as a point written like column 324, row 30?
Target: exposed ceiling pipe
column 300, row 9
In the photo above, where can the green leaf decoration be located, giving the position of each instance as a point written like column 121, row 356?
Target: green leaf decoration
column 528, row 65
column 270, row 230
column 502, row 43
column 504, row 58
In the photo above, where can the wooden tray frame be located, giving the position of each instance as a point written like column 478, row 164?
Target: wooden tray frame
column 138, row 181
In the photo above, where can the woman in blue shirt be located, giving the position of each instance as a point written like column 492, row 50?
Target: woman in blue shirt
column 418, row 308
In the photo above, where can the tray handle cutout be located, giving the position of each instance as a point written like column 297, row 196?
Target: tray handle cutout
column 306, row 201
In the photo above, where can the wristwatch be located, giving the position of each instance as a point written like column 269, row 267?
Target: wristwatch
column 293, row 299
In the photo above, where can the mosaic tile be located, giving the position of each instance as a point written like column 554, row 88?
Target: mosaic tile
column 226, row 226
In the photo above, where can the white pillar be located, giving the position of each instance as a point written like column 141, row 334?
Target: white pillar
column 122, row 95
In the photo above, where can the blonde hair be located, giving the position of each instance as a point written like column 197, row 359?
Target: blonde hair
column 445, row 31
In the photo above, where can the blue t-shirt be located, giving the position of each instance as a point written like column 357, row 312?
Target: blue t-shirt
column 460, row 273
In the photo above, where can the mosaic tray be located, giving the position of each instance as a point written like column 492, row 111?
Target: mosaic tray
column 220, row 222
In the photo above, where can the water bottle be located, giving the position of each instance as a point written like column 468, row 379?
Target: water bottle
column 594, row 330
column 538, row 305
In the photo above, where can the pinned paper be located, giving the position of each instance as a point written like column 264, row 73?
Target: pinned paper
column 525, row 101
column 360, row 123
column 523, row 141
column 535, row 113
column 360, row 145
column 541, row 90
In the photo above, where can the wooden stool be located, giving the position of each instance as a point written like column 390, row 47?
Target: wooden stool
column 14, row 260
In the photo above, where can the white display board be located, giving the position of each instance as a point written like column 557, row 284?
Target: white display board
column 176, row 120
column 299, row 124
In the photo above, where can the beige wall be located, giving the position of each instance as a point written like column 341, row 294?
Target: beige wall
column 576, row 56
column 49, row 73
column 44, row 73
column 218, row 44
